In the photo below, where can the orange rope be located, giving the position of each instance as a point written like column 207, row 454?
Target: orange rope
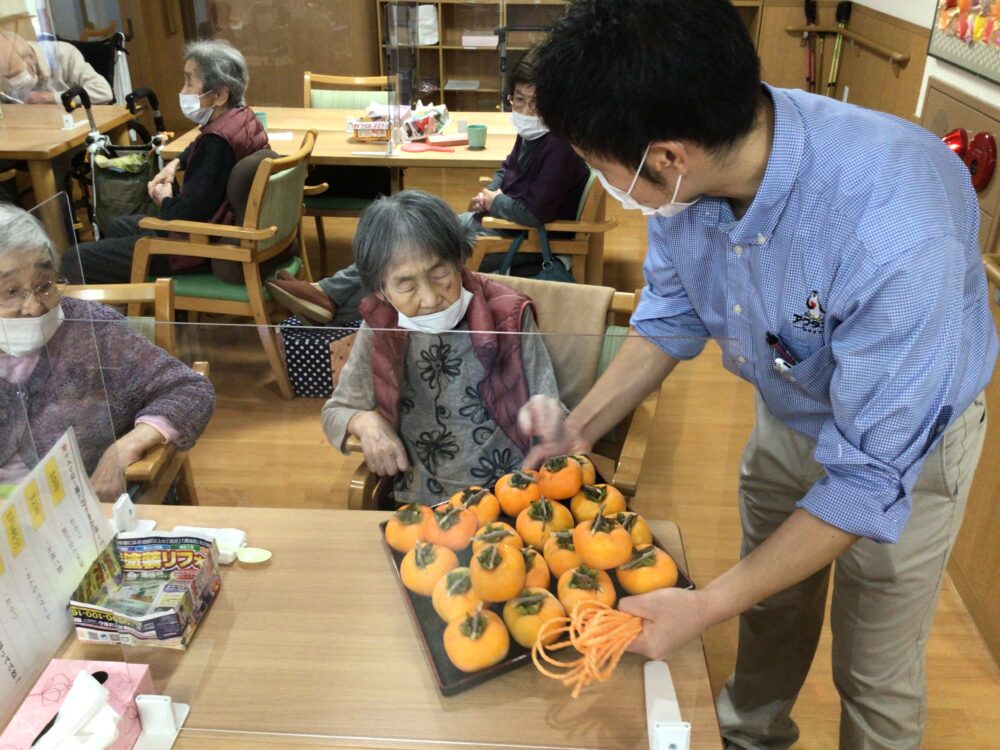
column 598, row 632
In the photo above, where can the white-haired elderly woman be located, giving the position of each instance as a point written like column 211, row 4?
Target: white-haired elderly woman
column 215, row 79
column 440, row 367
column 121, row 394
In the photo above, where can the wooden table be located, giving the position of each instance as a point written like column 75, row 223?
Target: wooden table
column 34, row 133
column 335, row 145
column 315, row 649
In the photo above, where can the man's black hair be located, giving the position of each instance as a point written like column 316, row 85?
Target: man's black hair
column 617, row 74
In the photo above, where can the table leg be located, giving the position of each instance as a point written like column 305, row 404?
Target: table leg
column 53, row 213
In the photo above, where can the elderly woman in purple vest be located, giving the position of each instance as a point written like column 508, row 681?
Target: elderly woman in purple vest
column 439, row 368
column 70, row 363
column 215, row 79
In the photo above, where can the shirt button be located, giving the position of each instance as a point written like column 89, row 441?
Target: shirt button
column 761, row 239
column 738, row 249
column 741, row 359
column 737, row 309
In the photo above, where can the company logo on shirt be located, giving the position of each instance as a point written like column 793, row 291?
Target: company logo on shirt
column 812, row 320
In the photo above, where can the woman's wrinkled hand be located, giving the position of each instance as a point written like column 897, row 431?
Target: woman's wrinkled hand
column 541, row 419
column 108, row 478
column 383, row 450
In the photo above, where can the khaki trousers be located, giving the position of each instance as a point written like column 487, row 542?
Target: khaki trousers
column 884, row 597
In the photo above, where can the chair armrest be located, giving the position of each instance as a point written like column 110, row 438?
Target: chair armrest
column 491, row 222
column 10, row 174
column 150, row 464
column 992, row 265
column 315, row 189
column 584, row 227
column 352, row 443
column 484, row 181
column 206, row 229
column 626, row 477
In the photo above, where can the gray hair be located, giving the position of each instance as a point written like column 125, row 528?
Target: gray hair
column 221, row 66
column 21, row 234
column 409, row 222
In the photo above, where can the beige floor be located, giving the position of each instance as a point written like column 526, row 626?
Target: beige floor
column 262, row 451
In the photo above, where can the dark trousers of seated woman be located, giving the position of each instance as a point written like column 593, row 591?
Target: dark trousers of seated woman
column 109, row 260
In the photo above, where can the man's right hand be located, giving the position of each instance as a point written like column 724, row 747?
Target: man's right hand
column 542, row 418
column 383, row 450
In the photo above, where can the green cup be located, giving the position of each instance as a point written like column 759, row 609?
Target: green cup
column 477, row 136
column 262, row 116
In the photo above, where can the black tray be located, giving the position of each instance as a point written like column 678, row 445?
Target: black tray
column 430, row 627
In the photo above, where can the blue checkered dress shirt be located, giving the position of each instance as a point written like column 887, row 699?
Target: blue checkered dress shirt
column 860, row 253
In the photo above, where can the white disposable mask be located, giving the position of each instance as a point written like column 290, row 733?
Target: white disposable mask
column 192, row 109
column 438, row 322
column 20, row 336
column 631, row 204
column 529, row 127
column 23, row 81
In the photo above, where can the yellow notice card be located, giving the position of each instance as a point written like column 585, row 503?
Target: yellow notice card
column 56, row 491
column 35, row 509
column 14, row 536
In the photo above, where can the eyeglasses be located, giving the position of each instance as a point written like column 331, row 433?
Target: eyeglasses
column 521, row 102
column 46, row 292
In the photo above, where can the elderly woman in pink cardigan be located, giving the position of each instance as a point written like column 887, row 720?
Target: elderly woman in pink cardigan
column 71, row 363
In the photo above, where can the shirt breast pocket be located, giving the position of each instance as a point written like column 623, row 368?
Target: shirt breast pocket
column 812, row 375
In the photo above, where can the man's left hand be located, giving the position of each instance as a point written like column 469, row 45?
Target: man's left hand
column 671, row 618
column 40, row 97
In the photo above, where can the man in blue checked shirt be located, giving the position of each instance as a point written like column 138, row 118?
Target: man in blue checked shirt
column 832, row 252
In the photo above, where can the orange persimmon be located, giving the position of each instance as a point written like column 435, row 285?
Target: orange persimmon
column 424, row 565
column 406, row 527
column 497, row 532
column 517, row 490
column 540, row 519
column 476, row 641
column 528, row 611
column 584, row 584
column 591, row 496
column 560, row 554
column 560, row 478
column 453, row 596
column 602, row 542
column 650, row 568
column 587, row 466
column 536, row 573
column 497, row 572
column 636, row 527
column 480, row 501
column 453, row 527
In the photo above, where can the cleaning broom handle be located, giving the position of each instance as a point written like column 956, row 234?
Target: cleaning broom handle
column 843, row 16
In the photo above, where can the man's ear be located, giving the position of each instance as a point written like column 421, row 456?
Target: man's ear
column 665, row 156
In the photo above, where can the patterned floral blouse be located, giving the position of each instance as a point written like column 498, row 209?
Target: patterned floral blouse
column 450, row 436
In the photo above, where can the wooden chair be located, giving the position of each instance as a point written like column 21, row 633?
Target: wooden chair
column 338, row 92
column 162, row 465
column 587, row 242
column 992, row 265
column 271, row 223
column 580, row 345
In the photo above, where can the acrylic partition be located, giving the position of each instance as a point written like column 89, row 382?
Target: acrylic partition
column 322, row 641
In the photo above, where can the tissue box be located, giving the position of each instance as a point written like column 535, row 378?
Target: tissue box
column 125, row 681
column 147, row 589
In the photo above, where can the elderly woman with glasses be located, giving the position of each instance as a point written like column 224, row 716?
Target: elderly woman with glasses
column 215, row 79
column 440, row 367
column 71, row 363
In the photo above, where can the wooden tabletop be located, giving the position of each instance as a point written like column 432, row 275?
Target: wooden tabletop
column 35, row 131
column 335, row 145
column 317, row 643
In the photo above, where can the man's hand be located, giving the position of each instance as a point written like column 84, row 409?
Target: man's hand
column 167, row 175
column 542, row 418
column 383, row 450
column 671, row 616
column 40, row 97
column 161, row 191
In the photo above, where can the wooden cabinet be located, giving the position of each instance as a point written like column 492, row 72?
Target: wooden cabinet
column 468, row 77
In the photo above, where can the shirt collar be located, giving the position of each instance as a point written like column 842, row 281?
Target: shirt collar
column 760, row 220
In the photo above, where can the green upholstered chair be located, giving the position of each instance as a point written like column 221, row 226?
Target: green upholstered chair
column 270, row 230
column 351, row 189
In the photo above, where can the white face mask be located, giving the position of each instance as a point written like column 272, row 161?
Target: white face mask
column 631, row 204
column 20, row 336
column 529, row 127
column 192, row 109
column 23, row 81
column 438, row 322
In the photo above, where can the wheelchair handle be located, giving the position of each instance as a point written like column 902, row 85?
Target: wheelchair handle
column 72, row 93
column 154, row 104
